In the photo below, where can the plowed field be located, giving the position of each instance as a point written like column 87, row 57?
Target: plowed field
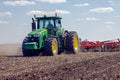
column 81, row 66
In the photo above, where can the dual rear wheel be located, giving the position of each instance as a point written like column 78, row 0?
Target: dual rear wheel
column 72, row 42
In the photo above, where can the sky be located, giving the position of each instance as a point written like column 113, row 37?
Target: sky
column 95, row 20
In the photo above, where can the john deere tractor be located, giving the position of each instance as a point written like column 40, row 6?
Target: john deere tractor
column 48, row 37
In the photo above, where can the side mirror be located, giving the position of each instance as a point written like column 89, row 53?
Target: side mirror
column 59, row 21
column 33, row 25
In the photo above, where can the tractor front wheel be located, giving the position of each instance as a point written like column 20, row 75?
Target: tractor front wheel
column 28, row 53
column 51, row 47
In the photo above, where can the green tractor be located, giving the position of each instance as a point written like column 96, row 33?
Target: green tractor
column 48, row 37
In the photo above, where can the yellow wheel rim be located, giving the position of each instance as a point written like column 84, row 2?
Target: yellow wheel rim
column 76, row 42
column 54, row 47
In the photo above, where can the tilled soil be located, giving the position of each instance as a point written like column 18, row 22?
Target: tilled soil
column 82, row 66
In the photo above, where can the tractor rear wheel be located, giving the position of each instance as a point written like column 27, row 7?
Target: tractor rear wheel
column 51, row 47
column 72, row 42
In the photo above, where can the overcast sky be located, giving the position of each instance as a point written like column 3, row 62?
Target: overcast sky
column 92, row 19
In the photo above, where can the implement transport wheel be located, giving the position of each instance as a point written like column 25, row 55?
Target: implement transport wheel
column 72, row 42
column 51, row 47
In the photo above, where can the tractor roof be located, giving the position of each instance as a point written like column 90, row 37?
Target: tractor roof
column 49, row 17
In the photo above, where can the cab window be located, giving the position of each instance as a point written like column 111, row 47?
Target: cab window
column 58, row 25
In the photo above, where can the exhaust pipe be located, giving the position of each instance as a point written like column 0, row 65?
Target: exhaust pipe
column 33, row 25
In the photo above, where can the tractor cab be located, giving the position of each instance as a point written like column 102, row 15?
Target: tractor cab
column 51, row 24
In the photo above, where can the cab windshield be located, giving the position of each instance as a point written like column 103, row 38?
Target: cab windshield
column 49, row 24
column 46, row 23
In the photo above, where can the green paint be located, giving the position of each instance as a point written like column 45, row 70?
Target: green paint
column 31, row 45
column 38, row 33
column 37, row 38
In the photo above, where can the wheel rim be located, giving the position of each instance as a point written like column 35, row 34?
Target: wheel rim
column 54, row 47
column 76, row 42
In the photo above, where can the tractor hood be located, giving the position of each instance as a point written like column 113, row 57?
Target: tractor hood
column 37, row 32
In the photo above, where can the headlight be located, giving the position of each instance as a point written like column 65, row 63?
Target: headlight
column 29, row 35
column 36, row 35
